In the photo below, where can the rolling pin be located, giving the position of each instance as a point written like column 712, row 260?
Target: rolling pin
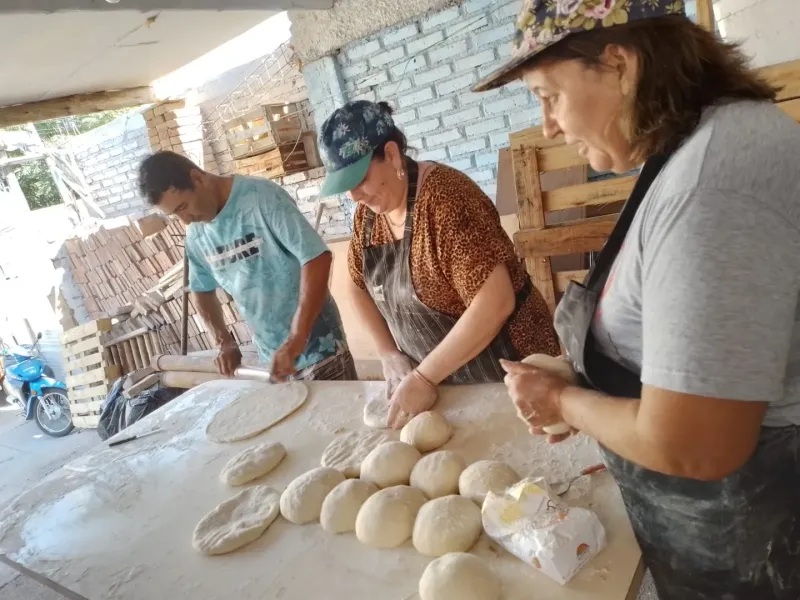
column 199, row 366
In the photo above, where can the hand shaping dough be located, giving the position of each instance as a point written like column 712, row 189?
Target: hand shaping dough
column 449, row 524
column 459, row 576
column 301, row 501
column 486, row 476
column 437, row 473
column 386, row 519
column 258, row 407
column 427, row 431
column 237, row 521
column 348, row 451
column 390, row 464
column 557, row 366
column 341, row 506
column 252, row 463
column 376, row 411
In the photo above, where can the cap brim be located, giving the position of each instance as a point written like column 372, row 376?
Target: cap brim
column 346, row 178
column 505, row 74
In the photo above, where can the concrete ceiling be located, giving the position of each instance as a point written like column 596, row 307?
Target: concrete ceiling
column 45, row 56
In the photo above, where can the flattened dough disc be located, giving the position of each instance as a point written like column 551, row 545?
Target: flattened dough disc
column 257, row 409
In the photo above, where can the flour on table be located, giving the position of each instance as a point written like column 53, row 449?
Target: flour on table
column 348, row 451
column 301, row 501
column 376, row 410
column 258, row 408
column 340, row 507
column 254, row 462
column 459, row 576
column 386, row 519
column 237, row 521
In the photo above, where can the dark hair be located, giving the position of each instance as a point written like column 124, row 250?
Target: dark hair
column 163, row 171
column 395, row 135
column 683, row 69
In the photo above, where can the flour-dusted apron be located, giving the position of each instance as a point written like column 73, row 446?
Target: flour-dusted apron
column 733, row 539
column 416, row 328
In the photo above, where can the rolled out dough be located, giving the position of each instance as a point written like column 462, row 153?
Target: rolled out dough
column 258, row 407
column 237, row 521
column 254, row 462
column 376, row 411
column 348, row 451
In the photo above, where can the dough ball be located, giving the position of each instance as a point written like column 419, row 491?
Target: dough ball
column 341, row 506
column 252, row 463
column 557, row 366
column 348, row 451
column 301, row 501
column 486, row 476
column 449, row 524
column 459, row 576
column 437, row 473
column 237, row 521
column 390, row 464
column 427, row 431
column 386, row 519
column 376, row 411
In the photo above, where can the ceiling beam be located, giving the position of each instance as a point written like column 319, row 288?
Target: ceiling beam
column 79, row 104
column 49, row 6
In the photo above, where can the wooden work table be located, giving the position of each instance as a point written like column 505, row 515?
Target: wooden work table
column 117, row 523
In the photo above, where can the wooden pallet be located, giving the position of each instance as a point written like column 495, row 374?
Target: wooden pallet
column 283, row 160
column 533, row 154
column 90, row 373
column 264, row 128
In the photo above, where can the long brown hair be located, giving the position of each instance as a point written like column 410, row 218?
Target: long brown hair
column 683, row 69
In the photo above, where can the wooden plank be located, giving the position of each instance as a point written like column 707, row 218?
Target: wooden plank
column 116, row 358
column 101, row 374
column 84, row 362
column 791, row 108
column 705, row 15
column 86, row 422
column 137, row 358
column 143, row 350
column 81, row 331
column 92, row 343
column 785, row 75
column 86, row 408
column 125, row 349
column 605, row 191
column 88, row 393
column 576, row 237
column 561, row 156
column 122, row 338
column 562, row 278
column 145, row 384
column 78, row 104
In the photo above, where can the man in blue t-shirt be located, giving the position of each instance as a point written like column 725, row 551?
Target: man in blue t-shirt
column 246, row 235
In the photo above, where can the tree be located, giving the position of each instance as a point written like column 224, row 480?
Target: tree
column 37, row 184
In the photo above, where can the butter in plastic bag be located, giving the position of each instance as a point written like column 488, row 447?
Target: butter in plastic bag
column 541, row 530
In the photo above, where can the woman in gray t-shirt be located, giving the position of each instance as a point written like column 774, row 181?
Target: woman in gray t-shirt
column 687, row 329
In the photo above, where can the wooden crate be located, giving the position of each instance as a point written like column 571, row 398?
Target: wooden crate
column 283, row 160
column 264, row 128
column 533, row 155
column 90, row 374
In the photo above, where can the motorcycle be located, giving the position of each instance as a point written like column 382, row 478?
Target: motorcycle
column 31, row 385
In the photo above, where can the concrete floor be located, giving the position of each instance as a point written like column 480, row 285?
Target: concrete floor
column 26, row 456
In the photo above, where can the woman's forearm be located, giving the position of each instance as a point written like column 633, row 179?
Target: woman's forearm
column 371, row 318
column 475, row 329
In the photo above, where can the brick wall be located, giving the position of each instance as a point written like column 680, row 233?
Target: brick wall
column 425, row 70
column 109, row 157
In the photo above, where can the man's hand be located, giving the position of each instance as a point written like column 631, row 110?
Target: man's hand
column 414, row 395
column 283, row 362
column 228, row 359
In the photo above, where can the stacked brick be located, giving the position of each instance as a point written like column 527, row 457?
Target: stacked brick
column 113, row 268
column 177, row 127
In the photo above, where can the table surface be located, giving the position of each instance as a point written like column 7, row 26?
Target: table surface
column 117, row 523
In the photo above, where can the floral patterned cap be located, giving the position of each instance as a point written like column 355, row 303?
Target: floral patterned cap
column 542, row 23
column 347, row 139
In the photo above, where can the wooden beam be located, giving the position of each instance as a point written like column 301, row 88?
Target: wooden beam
column 573, row 237
column 705, row 15
column 79, row 104
column 785, row 75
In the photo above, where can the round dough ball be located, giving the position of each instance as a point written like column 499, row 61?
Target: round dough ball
column 427, row 431
column 449, row 524
column 252, row 463
column 557, row 366
column 348, row 451
column 390, row 464
column 437, row 473
column 301, row 501
column 486, row 476
column 386, row 519
column 459, row 576
column 341, row 506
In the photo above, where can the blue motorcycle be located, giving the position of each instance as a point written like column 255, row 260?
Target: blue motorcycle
column 30, row 384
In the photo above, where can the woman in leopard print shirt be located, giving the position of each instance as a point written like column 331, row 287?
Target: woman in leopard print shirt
column 435, row 278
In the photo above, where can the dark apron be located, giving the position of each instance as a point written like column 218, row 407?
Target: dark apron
column 733, row 539
column 417, row 329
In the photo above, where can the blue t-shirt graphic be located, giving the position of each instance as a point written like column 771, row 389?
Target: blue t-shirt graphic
column 254, row 249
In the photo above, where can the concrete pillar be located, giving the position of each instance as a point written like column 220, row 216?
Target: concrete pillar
column 325, row 85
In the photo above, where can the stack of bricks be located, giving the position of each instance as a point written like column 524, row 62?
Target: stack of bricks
column 113, row 267
column 178, row 127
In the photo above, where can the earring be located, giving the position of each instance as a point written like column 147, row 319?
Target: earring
column 400, row 173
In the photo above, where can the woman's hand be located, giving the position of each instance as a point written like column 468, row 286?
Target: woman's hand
column 414, row 395
column 536, row 394
column 396, row 366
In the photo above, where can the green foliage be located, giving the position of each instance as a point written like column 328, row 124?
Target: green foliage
column 37, row 184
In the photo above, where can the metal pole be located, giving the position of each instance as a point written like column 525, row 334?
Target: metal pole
column 185, row 310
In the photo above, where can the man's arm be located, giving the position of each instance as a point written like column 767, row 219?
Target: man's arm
column 208, row 306
column 313, row 293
